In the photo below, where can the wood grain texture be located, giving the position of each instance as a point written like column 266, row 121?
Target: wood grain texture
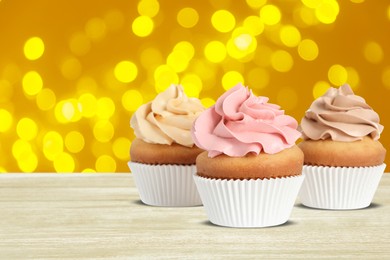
column 100, row 216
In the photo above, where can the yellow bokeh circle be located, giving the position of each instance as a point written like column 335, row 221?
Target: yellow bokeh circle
column 164, row 76
column 187, row 17
column 178, row 60
column 308, row 50
column 46, row 99
column 320, row 88
column 282, row 61
column 327, row 11
column 215, row 51
column 64, row 163
column 95, row 29
column 105, row 108
column 32, row 83
column 132, row 100
column 337, row 75
column 373, row 52
column 88, row 105
column 71, row 68
column 223, row 21
column 74, row 142
column 34, row 48
column 311, row 3
column 79, row 43
column 232, row 78
column 21, row 148
column 105, row 163
column 254, row 25
column 270, row 14
column 353, row 77
column 386, row 77
column 103, row 131
column 125, row 71
column 6, row 120
column 255, row 4
column 52, row 145
column 148, row 7
column 121, row 148
column 290, row 35
column 26, row 129
column 192, row 84
column 186, row 47
column 142, row 26
column 28, row 162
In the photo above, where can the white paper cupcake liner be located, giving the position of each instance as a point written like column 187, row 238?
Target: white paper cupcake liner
column 340, row 188
column 166, row 185
column 248, row 203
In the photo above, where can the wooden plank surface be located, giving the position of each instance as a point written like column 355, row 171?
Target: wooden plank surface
column 100, row 216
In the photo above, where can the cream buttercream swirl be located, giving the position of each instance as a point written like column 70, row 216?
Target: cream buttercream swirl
column 241, row 123
column 340, row 115
column 168, row 118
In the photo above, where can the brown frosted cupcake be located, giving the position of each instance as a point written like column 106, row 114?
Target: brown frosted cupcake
column 250, row 173
column 163, row 155
column 343, row 156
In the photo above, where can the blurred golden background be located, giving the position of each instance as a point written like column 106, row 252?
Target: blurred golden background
column 73, row 72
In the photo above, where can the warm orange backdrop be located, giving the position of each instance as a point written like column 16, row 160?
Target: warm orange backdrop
column 66, row 107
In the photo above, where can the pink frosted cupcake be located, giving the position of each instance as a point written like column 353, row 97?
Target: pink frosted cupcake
column 250, row 173
column 163, row 155
column 343, row 155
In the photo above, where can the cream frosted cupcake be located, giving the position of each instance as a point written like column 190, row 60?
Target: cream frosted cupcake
column 250, row 173
column 163, row 155
column 343, row 157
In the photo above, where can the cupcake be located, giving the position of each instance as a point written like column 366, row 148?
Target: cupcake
column 343, row 157
column 250, row 172
column 163, row 154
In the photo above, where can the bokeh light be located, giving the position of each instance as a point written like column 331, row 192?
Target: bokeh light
column 6, row 120
column 282, row 61
column 270, row 14
column 290, row 35
column 223, row 21
column 142, row 26
column 32, row 83
column 68, row 90
column 125, row 71
column 34, row 48
column 232, row 78
column 337, row 75
column 215, row 51
column 187, row 17
column 308, row 49
column 105, row 163
column 74, row 142
column 373, row 52
column 26, row 129
column 132, row 99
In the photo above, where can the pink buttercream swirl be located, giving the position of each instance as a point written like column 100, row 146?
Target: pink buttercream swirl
column 241, row 123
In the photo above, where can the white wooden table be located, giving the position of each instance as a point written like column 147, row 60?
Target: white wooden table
column 100, row 216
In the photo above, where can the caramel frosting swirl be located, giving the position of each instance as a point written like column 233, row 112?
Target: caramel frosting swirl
column 168, row 118
column 340, row 115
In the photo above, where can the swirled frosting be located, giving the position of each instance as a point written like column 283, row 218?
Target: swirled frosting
column 168, row 118
column 241, row 123
column 340, row 115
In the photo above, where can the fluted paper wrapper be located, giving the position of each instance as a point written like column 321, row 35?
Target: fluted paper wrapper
column 340, row 188
column 166, row 185
column 248, row 203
